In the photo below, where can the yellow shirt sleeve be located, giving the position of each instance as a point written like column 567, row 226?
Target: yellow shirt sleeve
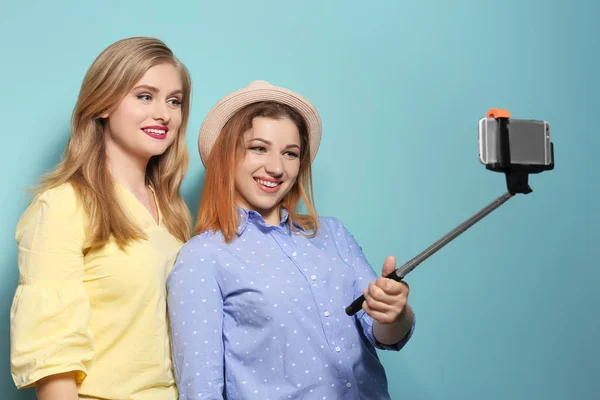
column 49, row 316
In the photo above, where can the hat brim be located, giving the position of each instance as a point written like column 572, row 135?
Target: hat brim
column 218, row 116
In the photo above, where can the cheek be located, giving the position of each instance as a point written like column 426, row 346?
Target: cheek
column 176, row 118
column 249, row 165
column 242, row 173
column 292, row 169
column 119, row 125
column 126, row 116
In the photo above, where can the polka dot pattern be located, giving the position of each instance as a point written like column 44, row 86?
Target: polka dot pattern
column 264, row 317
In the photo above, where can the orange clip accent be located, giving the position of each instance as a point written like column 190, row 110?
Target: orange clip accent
column 498, row 113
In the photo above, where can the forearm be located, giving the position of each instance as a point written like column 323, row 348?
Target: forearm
column 392, row 333
column 58, row 387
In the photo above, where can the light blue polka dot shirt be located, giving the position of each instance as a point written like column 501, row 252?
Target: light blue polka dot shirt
column 263, row 317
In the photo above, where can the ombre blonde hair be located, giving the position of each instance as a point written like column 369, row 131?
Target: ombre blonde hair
column 216, row 210
column 84, row 163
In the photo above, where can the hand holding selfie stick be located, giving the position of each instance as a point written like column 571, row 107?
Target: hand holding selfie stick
column 516, row 181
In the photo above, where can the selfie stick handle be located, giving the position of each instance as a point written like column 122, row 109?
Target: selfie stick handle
column 404, row 270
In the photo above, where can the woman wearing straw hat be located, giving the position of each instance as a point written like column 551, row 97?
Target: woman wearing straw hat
column 257, row 298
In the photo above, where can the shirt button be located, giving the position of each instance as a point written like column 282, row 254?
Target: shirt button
column 294, row 254
column 348, row 385
column 313, row 277
column 338, row 349
column 326, row 313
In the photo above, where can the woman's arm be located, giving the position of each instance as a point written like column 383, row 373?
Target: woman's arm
column 57, row 387
column 49, row 317
column 388, row 320
column 195, row 309
column 392, row 333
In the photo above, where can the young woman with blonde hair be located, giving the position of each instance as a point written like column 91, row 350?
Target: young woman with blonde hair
column 98, row 240
column 257, row 298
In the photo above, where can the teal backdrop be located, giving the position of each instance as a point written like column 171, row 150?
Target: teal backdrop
column 509, row 310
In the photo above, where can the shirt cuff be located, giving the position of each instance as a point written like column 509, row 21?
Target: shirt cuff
column 366, row 319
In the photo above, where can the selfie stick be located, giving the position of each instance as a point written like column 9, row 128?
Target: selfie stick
column 516, row 182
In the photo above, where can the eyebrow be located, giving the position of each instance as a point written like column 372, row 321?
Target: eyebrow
column 289, row 146
column 155, row 90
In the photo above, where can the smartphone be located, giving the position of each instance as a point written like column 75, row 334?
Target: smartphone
column 529, row 142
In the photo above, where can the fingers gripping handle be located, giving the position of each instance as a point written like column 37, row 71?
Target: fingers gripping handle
column 356, row 305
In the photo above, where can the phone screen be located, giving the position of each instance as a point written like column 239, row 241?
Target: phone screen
column 528, row 142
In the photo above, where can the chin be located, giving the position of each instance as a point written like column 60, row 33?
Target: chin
column 262, row 205
column 157, row 151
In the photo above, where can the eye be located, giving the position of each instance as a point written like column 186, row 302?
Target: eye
column 259, row 149
column 145, row 97
column 292, row 154
column 175, row 102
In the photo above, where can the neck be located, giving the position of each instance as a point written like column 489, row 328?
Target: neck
column 272, row 216
column 126, row 169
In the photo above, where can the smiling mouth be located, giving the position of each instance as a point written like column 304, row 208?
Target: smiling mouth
column 269, row 184
column 154, row 131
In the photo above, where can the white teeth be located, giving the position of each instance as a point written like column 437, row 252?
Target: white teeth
column 267, row 183
column 156, row 131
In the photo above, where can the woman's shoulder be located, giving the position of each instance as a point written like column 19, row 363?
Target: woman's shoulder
column 201, row 249
column 331, row 224
column 58, row 207
column 206, row 242
column 62, row 197
column 334, row 229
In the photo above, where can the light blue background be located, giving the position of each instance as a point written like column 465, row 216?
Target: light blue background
column 507, row 311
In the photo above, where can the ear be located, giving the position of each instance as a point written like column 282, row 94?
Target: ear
column 104, row 116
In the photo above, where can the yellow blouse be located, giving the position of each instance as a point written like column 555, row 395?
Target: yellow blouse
column 102, row 314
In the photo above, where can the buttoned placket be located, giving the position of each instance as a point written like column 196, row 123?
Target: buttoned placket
column 331, row 327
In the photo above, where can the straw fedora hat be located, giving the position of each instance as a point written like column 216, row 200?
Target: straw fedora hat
column 256, row 91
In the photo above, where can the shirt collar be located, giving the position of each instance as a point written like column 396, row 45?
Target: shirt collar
column 246, row 216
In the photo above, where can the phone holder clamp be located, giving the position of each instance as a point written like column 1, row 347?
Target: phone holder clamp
column 517, row 175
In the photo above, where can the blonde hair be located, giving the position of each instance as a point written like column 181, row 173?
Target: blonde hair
column 84, row 163
column 216, row 210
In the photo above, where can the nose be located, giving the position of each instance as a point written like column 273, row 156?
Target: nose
column 274, row 165
column 161, row 112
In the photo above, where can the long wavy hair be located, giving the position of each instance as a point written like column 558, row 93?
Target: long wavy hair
column 216, row 210
column 84, row 162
